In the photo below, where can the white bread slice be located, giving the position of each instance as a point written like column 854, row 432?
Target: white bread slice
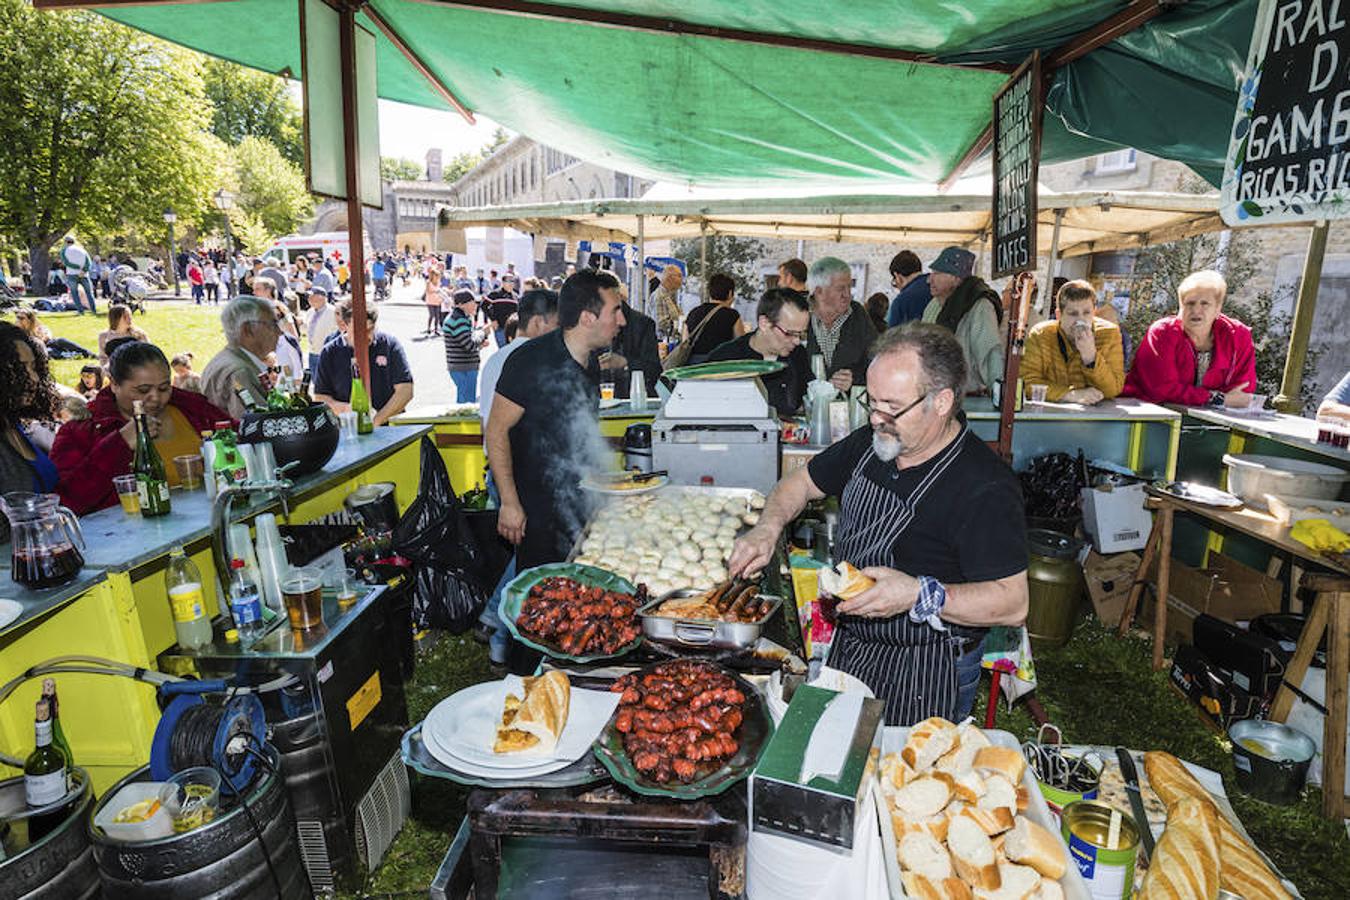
column 927, row 741
column 935, row 826
column 1015, row 883
column 972, row 854
column 922, row 853
column 924, row 796
column 895, row 771
column 1003, row 761
column 1032, row 845
column 1023, row 798
column 969, row 741
column 967, row 787
column 921, row 888
column 991, row 821
column 1049, row 890
column 998, row 794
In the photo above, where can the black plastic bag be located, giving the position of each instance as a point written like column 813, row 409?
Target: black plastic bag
column 449, row 570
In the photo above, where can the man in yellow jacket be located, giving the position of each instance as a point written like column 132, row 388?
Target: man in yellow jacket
column 1077, row 355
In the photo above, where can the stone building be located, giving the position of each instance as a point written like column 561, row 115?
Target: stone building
column 407, row 214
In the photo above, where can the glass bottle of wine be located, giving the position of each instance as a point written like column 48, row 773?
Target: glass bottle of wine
column 44, row 776
column 58, row 733
column 151, row 483
column 360, row 403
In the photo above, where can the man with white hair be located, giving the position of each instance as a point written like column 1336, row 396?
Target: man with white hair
column 841, row 330
column 930, row 514
column 251, row 333
column 666, row 299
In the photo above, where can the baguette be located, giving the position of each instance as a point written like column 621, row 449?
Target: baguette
column 1032, row 845
column 1242, row 870
column 1005, row 761
column 1048, row 890
column 991, row 821
column 922, row 888
column 932, row 825
column 967, row 787
column 924, row 796
column 848, row 583
column 895, row 771
column 1015, row 883
column 536, row 721
column 973, row 854
column 1185, row 864
column 961, row 758
column 999, row 793
column 927, row 741
column 924, row 854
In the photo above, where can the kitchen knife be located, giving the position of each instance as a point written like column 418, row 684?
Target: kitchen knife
column 1131, row 776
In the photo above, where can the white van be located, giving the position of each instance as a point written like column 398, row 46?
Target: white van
column 322, row 243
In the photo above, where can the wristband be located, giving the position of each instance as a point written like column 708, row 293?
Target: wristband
column 1216, row 398
column 932, row 598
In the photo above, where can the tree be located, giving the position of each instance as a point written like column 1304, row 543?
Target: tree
column 102, row 129
column 250, row 232
column 462, row 164
column 271, row 188
column 736, row 256
column 400, row 169
column 249, row 103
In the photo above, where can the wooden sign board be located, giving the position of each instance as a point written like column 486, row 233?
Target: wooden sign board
column 1017, row 156
column 1289, row 151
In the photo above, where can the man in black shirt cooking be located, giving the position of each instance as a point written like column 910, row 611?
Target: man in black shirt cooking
column 927, row 511
column 783, row 318
column 543, row 434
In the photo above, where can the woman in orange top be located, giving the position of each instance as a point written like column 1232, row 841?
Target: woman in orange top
column 88, row 453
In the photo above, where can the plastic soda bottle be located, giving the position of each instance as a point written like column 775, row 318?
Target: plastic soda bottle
column 184, row 584
column 245, row 603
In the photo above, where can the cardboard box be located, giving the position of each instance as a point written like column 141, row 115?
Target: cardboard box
column 821, row 811
column 1109, row 579
column 1226, row 589
column 1211, row 689
column 1116, row 518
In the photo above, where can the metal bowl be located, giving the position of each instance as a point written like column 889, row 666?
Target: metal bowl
column 711, row 633
column 308, row 436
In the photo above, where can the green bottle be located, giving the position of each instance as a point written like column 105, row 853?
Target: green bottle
column 151, row 482
column 44, row 776
column 58, row 734
column 229, row 467
column 360, row 404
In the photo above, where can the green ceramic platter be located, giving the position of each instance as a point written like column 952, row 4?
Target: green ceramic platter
column 729, row 370
column 754, row 733
column 513, row 597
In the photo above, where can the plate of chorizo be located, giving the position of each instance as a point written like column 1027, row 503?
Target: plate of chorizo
column 574, row 612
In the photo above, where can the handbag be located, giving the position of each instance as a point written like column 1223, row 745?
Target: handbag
column 680, row 355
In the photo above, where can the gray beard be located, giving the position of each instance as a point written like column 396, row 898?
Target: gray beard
column 886, row 448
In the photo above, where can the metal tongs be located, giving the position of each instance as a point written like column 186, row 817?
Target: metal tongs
column 633, row 475
column 1052, row 766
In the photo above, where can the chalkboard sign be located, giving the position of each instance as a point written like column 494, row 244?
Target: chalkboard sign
column 1017, row 155
column 1289, row 152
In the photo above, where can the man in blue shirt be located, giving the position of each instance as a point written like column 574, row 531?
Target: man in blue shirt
column 391, row 383
column 1337, row 403
column 379, row 275
column 907, row 277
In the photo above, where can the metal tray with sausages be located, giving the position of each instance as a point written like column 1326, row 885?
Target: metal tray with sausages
column 704, row 631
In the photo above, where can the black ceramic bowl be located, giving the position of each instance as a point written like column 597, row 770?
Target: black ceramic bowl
column 309, row 436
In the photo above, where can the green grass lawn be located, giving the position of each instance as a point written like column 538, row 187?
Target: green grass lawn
column 1099, row 688
column 175, row 326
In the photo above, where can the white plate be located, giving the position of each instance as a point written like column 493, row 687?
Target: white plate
column 448, row 759
column 465, row 725
column 599, row 486
column 9, row 611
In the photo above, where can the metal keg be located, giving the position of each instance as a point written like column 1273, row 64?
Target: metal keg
column 1054, row 587
column 222, row 860
column 60, row 866
column 312, row 784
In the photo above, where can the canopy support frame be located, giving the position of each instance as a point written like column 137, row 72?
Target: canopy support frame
column 355, row 225
column 417, row 62
column 1305, row 307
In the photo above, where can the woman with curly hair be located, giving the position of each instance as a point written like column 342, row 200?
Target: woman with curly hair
column 23, row 465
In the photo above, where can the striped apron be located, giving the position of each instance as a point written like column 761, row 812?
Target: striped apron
column 910, row 665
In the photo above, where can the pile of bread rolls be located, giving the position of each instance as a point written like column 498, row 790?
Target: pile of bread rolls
column 1200, row 851
column 956, row 804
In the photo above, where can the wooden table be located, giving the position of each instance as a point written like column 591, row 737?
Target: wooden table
column 1330, row 612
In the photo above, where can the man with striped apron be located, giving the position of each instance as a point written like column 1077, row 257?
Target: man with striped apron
column 929, row 513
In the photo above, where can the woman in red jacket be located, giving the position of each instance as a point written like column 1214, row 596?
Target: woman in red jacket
column 88, row 453
column 1198, row 357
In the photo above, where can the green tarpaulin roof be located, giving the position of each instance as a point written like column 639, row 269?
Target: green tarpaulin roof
column 709, row 110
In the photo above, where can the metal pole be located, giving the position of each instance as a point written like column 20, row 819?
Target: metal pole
column 173, row 264
column 643, row 296
column 350, row 130
column 703, row 262
column 1050, row 267
column 1305, row 306
column 229, row 257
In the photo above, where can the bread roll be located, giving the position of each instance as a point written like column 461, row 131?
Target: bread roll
column 922, row 853
column 843, row 581
column 536, row 721
column 927, row 741
column 972, row 854
column 1241, row 869
column 1003, row 761
column 1030, row 844
column 1185, row 863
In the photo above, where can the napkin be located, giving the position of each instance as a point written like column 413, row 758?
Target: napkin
column 827, row 750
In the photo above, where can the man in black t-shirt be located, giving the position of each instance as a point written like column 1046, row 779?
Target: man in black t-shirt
column 784, row 317
column 543, row 434
column 930, row 514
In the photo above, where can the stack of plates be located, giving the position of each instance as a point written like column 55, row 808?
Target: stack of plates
column 460, row 730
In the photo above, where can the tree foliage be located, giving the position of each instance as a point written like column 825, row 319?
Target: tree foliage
column 462, row 163
column 102, row 128
column 249, row 103
column 399, row 169
column 736, row 256
column 271, row 188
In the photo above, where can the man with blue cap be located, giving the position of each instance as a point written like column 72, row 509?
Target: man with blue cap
column 969, row 308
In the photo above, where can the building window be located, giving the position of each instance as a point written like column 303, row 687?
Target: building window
column 1118, row 161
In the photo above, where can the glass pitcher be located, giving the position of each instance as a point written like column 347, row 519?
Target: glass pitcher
column 45, row 537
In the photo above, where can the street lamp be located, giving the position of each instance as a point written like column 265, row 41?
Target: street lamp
column 169, row 218
column 224, row 200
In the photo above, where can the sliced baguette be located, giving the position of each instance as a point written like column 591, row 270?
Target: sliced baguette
column 928, row 740
column 968, row 787
column 922, row 853
column 991, row 821
column 933, row 825
column 1015, row 883
column 972, row 854
column 924, row 796
column 961, row 758
column 922, row 888
column 999, row 793
column 895, row 771
column 1003, row 761
column 1048, row 890
column 1030, row 844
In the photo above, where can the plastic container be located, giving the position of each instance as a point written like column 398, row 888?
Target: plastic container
column 157, row 826
column 191, row 797
column 1251, row 476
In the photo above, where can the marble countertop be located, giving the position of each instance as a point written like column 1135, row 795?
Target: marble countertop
column 1293, row 431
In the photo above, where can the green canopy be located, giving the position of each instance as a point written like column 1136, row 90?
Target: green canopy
column 706, row 109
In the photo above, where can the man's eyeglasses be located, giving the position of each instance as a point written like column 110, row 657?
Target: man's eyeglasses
column 799, row 335
column 889, row 417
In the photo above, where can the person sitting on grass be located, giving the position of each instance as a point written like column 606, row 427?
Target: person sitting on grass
column 119, row 326
column 1076, row 355
column 91, row 382
column 57, row 348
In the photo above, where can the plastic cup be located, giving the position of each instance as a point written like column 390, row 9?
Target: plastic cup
column 302, row 592
column 606, row 390
column 128, row 494
column 192, row 797
column 348, row 422
column 348, row 590
column 190, row 471
column 1038, row 392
